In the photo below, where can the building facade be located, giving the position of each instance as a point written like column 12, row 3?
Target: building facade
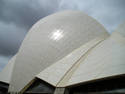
column 68, row 53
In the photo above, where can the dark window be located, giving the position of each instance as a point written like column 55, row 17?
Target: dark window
column 111, row 85
column 3, row 88
column 40, row 87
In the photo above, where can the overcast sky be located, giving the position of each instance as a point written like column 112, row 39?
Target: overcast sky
column 17, row 17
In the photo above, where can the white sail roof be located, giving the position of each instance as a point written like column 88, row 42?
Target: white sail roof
column 105, row 60
column 50, row 40
column 56, row 72
column 95, row 60
column 5, row 74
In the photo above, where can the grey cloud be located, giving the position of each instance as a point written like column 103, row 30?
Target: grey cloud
column 25, row 13
column 11, row 37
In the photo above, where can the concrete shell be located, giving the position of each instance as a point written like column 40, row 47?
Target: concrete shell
column 94, row 60
column 49, row 40
column 66, row 66
column 107, row 59
column 6, row 73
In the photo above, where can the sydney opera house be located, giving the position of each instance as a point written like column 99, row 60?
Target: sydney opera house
column 67, row 53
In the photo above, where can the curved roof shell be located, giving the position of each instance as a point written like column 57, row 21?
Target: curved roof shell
column 49, row 40
column 6, row 73
column 94, row 60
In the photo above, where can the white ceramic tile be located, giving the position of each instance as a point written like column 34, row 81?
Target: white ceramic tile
column 50, row 40
column 57, row 71
column 107, row 59
column 5, row 74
